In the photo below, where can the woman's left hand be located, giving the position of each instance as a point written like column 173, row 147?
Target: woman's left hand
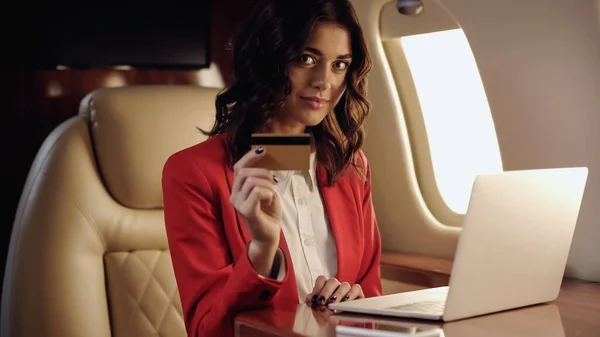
column 330, row 291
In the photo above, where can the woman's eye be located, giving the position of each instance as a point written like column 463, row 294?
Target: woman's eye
column 340, row 65
column 306, row 59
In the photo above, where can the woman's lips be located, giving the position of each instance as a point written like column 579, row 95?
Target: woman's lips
column 315, row 102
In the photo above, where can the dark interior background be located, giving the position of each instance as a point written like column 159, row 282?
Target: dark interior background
column 29, row 113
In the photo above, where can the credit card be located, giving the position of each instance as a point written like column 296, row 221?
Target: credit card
column 283, row 151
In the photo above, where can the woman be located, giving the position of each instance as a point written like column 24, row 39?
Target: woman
column 242, row 237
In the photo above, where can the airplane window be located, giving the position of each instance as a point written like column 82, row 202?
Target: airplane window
column 445, row 133
column 457, row 119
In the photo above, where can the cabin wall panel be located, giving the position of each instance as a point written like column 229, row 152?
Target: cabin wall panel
column 540, row 63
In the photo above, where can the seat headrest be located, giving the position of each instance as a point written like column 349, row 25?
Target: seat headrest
column 135, row 129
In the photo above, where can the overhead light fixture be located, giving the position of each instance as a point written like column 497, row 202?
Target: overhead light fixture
column 409, row 7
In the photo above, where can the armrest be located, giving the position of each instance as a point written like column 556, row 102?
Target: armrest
column 425, row 271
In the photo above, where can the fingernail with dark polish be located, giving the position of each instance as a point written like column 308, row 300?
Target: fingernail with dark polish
column 314, row 298
column 277, row 180
column 259, row 150
column 345, row 298
column 322, row 299
column 332, row 299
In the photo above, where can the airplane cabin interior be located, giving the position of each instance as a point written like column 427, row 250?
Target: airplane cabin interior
column 462, row 92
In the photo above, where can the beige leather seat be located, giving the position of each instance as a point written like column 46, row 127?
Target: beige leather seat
column 88, row 255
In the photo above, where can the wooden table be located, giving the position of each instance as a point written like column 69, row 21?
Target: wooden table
column 575, row 313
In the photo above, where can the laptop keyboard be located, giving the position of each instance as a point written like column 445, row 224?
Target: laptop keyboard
column 425, row 307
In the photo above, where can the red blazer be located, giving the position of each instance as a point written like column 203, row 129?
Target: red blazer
column 208, row 240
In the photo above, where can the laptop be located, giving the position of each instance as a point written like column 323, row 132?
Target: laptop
column 512, row 250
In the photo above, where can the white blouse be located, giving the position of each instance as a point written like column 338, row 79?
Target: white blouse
column 306, row 228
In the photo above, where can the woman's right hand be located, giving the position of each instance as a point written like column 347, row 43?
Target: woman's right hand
column 254, row 196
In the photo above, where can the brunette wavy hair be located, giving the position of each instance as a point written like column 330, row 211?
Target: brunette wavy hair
column 274, row 35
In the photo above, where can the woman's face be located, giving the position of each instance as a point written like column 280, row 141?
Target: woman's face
column 318, row 79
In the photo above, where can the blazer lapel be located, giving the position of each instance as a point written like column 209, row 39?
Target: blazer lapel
column 341, row 210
